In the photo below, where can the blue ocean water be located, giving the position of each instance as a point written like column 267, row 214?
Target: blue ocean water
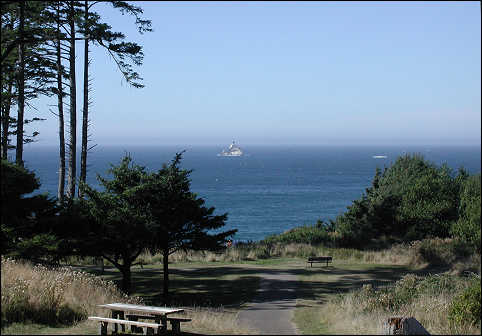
column 271, row 189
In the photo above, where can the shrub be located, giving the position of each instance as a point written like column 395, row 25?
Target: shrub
column 439, row 252
column 305, row 234
column 26, row 221
column 388, row 298
column 466, row 307
column 467, row 227
column 412, row 199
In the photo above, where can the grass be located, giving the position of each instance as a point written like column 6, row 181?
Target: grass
column 357, row 299
column 205, row 321
column 319, row 284
column 212, row 288
column 81, row 328
column 53, row 296
column 202, row 291
column 268, row 253
column 212, row 285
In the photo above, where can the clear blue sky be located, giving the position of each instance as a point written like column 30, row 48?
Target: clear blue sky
column 291, row 73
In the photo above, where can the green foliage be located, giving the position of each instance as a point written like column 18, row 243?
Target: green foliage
column 177, row 218
column 27, row 221
column 126, row 55
column 304, row 234
column 140, row 209
column 467, row 227
column 465, row 309
column 16, row 181
column 38, row 70
column 410, row 200
column 115, row 226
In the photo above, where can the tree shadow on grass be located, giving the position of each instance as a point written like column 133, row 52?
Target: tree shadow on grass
column 233, row 285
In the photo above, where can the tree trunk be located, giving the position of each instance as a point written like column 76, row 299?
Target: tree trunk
column 21, row 86
column 73, row 117
column 3, row 144
column 6, row 120
column 61, row 186
column 85, row 111
column 165, row 263
column 126, row 277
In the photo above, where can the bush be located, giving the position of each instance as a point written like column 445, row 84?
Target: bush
column 306, row 234
column 448, row 252
column 465, row 309
column 467, row 227
column 413, row 199
column 438, row 251
column 388, row 298
column 26, row 221
column 407, row 290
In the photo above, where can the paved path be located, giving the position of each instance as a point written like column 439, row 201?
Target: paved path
column 272, row 309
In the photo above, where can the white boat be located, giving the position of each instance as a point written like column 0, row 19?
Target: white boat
column 379, row 156
column 232, row 150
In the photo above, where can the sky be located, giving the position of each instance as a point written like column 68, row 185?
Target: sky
column 298, row 73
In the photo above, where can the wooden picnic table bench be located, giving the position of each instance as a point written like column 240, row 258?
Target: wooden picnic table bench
column 312, row 260
column 174, row 321
column 126, row 314
column 149, row 327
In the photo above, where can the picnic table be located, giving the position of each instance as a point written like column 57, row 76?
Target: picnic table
column 128, row 314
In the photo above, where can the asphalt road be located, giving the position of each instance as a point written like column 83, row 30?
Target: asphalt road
column 272, row 309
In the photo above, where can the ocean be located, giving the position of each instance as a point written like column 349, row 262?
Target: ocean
column 272, row 188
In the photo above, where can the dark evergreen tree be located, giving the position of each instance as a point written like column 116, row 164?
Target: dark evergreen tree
column 100, row 34
column 139, row 210
column 177, row 218
column 27, row 73
column 43, row 32
column 116, row 226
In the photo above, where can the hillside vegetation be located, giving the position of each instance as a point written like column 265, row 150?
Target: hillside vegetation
column 411, row 200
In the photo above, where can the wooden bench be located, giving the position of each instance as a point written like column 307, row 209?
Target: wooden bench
column 149, row 327
column 312, row 260
column 175, row 321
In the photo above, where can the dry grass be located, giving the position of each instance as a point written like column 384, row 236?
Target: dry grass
column 398, row 254
column 417, row 254
column 60, row 295
column 365, row 310
column 214, row 321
